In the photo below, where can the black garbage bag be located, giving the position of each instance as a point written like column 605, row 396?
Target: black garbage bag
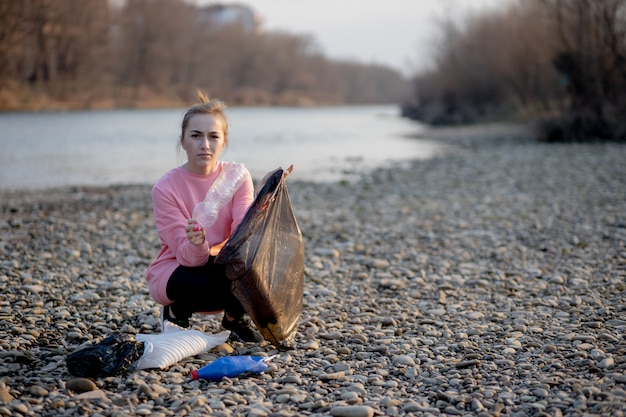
column 111, row 356
column 264, row 258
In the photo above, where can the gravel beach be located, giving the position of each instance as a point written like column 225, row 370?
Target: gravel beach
column 488, row 281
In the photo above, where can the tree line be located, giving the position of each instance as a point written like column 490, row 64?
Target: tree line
column 560, row 64
column 146, row 53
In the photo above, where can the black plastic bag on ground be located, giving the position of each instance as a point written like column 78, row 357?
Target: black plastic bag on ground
column 265, row 261
column 111, row 356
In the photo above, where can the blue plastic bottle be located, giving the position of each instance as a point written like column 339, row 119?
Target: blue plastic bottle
column 231, row 366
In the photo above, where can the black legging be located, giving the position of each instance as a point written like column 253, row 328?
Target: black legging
column 202, row 289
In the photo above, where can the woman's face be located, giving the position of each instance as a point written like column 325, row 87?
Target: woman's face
column 203, row 141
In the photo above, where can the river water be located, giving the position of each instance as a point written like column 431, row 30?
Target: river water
column 52, row 149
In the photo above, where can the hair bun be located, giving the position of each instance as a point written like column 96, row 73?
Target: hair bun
column 202, row 97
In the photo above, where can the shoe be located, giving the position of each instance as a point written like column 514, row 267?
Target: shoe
column 165, row 315
column 242, row 328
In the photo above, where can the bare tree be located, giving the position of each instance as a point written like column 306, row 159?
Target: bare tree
column 592, row 62
column 533, row 60
column 90, row 53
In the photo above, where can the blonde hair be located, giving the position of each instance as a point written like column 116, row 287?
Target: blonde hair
column 206, row 105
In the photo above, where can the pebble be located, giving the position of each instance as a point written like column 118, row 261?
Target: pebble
column 91, row 395
column 38, row 391
column 80, row 385
column 607, row 363
column 487, row 281
column 5, row 396
column 403, row 360
column 352, row 411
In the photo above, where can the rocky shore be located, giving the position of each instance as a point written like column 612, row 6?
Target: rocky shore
column 488, row 281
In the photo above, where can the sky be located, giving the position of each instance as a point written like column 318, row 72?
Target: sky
column 398, row 33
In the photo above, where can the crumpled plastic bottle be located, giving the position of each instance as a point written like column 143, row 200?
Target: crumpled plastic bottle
column 231, row 366
column 174, row 344
column 222, row 190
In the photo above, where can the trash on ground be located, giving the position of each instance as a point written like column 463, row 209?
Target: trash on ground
column 115, row 354
column 231, row 366
column 175, row 344
column 119, row 353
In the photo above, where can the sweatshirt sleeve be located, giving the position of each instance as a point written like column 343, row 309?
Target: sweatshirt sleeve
column 170, row 218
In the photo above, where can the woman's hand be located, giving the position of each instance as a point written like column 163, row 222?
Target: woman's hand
column 286, row 172
column 215, row 249
column 195, row 232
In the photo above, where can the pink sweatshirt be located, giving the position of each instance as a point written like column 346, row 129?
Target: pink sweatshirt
column 174, row 197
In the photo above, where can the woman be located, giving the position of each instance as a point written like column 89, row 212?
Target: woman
column 184, row 278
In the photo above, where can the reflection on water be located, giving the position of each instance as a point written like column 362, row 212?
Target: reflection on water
column 40, row 150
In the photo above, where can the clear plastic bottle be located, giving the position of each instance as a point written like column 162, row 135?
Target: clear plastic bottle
column 219, row 194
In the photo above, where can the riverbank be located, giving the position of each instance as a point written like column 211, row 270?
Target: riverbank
column 486, row 281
